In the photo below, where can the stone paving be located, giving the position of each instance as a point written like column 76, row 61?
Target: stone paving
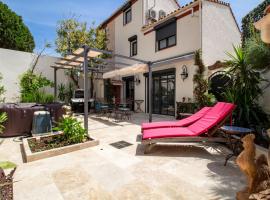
column 103, row 172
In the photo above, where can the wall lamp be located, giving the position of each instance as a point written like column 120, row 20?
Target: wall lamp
column 184, row 74
column 137, row 80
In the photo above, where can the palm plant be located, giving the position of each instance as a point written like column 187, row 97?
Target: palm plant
column 245, row 91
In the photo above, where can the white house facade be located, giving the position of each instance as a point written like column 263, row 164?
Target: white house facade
column 161, row 31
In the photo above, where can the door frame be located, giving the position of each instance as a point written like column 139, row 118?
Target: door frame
column 169, row 71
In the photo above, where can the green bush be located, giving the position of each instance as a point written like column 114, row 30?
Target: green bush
column 31, row 85
column 72, row 129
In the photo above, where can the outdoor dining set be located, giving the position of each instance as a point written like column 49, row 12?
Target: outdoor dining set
column 118, row 110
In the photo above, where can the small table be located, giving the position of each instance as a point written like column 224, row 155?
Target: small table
column 230, row 131
column 139, row 103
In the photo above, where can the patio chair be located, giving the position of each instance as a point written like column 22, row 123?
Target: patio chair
column 202, row 130
column 181, row 123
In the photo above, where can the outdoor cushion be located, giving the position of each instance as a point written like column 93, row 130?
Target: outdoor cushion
column 167, row 132
column 218, row 113
column 181, row 123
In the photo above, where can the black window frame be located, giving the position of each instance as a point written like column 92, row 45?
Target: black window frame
column 167, row 43
column 164, row 32
column 125, row 22
column 133, row 43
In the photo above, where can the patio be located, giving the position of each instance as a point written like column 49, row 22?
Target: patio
column 105, row 172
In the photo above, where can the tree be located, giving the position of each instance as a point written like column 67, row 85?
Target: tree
column 14, row 34
column 72, row 34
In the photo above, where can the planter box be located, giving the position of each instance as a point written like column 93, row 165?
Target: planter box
column 30, row 156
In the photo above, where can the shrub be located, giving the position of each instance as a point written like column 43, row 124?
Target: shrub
column 31, row 85
column 72, row 129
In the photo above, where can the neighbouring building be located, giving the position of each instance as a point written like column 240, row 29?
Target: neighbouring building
column 164, row 31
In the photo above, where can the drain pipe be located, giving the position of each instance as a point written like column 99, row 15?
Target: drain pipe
column 150, row 89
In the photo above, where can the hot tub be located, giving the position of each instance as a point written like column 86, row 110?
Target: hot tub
column 20, row 116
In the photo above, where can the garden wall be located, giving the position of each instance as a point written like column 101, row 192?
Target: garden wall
column 14, row 63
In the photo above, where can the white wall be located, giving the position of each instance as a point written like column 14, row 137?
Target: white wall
column 166, row 5
column 265, row 100
column 183, row 88
column 188, row 36
column 14, row 63
column 219, row 32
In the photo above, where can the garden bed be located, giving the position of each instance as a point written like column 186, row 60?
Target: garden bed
column 37, row 148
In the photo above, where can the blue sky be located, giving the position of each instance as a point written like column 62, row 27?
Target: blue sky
column 41, row 16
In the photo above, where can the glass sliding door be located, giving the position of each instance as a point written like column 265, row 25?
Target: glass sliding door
column 164, row 93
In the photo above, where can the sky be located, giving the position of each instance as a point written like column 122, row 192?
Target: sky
column 41, row 17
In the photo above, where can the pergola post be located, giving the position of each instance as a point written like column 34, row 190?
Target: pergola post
column 150, row 89
column 55, row 84
column 86, row 98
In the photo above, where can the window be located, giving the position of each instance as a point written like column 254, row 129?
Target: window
column 133, row 45
column 166, row 35
column 133, row 48
column 127, row 16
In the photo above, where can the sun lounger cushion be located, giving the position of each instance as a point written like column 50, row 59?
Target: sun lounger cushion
column 218, row 113
column 181, row 123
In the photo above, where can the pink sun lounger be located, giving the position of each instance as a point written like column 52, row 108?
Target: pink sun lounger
column 200, row 131
column 181, row 123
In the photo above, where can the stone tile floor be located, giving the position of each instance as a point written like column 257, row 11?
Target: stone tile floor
column 103, row 172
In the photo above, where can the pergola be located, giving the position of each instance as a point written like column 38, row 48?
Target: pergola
column 80, row 59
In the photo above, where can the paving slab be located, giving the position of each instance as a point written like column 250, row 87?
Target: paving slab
column 179, row 171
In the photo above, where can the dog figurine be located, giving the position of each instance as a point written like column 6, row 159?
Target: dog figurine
column 246, row 162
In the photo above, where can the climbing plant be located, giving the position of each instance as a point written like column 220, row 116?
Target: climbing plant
column 201, row 94
column 253, row 16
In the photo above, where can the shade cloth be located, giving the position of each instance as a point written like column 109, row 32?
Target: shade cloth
column 131, row 70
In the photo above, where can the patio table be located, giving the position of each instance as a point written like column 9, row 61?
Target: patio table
column 234, row 143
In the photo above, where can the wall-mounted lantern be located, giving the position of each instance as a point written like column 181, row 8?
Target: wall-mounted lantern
column 137, row 80
column 184, row 74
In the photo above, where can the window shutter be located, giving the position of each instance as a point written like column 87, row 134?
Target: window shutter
column 166, row 29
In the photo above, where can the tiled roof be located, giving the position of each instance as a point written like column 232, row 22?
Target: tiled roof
column 121, row 7
column 180, row 9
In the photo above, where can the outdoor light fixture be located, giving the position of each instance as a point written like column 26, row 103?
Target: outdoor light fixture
column 184, row 73
column 137, row 80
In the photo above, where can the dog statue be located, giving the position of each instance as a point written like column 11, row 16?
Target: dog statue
column 246, row 163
